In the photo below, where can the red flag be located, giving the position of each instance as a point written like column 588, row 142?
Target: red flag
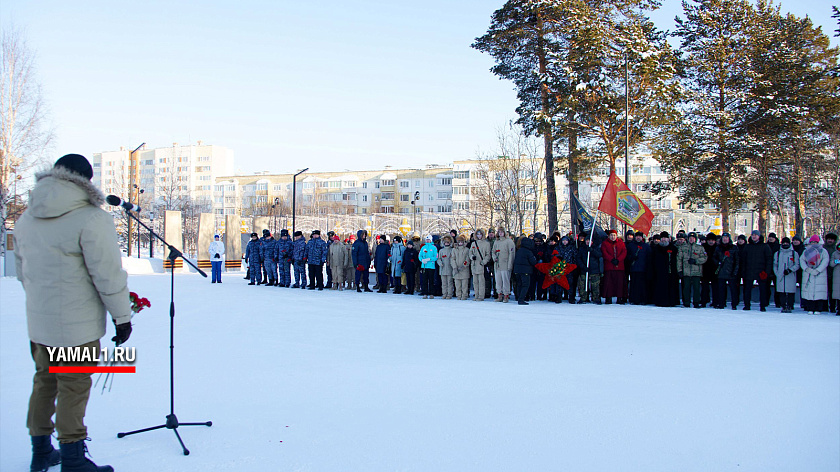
column 619, row 201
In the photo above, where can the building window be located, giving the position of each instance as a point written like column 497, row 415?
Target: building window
column 350, row 184
column 431, row 183
column 376, row 184
column 323, row 184
column 364, row 184
column 416, row 183
column 444, row 195
column 462, row 174
column 388, row 183
column 404, row 198
column 445, row 181
column 364, row 198
column 444, row 209
column 431, row 197
column 387, row 195
column 404, row 184
column 387, row 209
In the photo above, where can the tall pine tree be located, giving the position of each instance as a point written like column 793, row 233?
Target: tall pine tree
column 792, row 97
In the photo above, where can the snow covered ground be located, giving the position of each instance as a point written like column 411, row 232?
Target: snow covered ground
column 296, row 380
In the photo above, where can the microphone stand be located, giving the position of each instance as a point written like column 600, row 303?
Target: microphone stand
column 171, row 420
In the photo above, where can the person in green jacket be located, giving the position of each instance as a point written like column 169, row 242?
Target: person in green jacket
column 690, row 259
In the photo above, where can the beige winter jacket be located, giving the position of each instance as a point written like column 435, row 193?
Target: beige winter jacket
column 479, row 254
column 503, row 252
column 68, row 260
column 337, row 256
column 460, row 262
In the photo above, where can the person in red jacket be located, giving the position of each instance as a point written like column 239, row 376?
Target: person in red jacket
column 614, row 253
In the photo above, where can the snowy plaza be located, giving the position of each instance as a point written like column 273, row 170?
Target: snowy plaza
column 296, row 380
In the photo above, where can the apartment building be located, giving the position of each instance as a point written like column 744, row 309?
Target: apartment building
column 167, row 176
column 386, row 191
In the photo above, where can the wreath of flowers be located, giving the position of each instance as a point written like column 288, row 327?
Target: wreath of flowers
column 555, row 272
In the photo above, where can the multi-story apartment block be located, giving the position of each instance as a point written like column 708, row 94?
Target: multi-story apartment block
column 388, row 191
column 167, row 176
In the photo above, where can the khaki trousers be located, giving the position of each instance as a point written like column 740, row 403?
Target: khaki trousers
column 478, row 286
column 62, row 395
column 462, row 288
column 503, row 282
column 446, row 282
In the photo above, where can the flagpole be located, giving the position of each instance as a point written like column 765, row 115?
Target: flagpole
column 589, row 253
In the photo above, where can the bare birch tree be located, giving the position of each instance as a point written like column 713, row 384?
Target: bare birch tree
column 25, row 134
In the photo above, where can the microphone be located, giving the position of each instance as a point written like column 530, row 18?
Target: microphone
column 117, row 201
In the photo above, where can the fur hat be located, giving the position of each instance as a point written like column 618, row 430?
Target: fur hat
column 461, row 238
column 266, row 232
column 831, row 236
column 447, row 238
column 664, row 234
column 298, row 233
column 254, row 235
column 711, row 236
column 317, row 231
column 741, row 236
column 383, row 238
column 786, row 240
column 284, row 232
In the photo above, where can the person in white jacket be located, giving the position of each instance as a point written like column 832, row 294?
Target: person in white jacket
column 217, row 259
column 68, row 259
column 814, row 262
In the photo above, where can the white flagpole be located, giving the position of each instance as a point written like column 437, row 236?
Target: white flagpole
column 589, row 253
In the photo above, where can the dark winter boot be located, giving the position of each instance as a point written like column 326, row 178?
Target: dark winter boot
column 44, row 454
column 73, row 459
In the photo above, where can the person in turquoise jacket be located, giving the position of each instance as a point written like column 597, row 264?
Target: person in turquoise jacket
column 428, row 266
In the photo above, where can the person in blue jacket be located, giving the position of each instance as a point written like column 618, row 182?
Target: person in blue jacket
column 252, row 258
column 299, row 259
column 270, row 260
column 360, row 253
column 380, row 263
column 396, row 258
column 428, row 265
column 316, row 256
column 283, row 251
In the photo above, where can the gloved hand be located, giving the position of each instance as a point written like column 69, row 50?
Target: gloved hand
column 692, row 261
column 615, row 262
column 786, row 272
column 218, row 256
column 426, row 260
column 472, row 257
column 123, row 333
column 762, row 275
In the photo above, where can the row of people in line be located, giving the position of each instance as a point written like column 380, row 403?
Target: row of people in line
column 692, row 270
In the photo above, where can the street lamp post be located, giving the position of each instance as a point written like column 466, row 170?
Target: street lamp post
column 139, row 191
column 627, row 125
column 294, row 197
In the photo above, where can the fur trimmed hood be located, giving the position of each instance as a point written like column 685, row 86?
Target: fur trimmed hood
column 58, row 191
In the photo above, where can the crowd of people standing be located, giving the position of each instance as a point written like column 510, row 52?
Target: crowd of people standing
column 689, row 270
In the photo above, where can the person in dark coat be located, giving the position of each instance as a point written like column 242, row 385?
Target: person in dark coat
column 316, row 257
column 410, row 263
column 758, row 265
column 727, row 267
column 830, row 245
column 666, row 288
column 591, row 263
column 542, row 255
column 299, row 260
column 567, row 251
column 799, row 248
column 638, row 260
column 773, row 242
column 380, row 263
column 252, row 258
column 266, row 234
column 708, row 283
column 360, row 254
column 523, row 266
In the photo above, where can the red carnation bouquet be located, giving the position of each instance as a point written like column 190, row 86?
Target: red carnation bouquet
column 726, row 253
column 137, row 303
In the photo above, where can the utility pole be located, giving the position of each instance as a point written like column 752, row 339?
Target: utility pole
column 133, row 182
column 627, row 176
column 294, row 198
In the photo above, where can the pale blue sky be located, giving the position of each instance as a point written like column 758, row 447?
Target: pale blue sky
column 329, row 85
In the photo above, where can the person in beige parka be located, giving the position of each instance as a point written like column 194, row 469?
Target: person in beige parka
column 461, row 268
column 479, row 257
column 503, row 252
